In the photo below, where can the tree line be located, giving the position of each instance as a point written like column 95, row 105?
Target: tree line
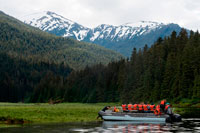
column 169, row 69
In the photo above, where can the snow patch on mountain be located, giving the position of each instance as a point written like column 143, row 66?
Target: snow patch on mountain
column 143, row 24
column 95, row 35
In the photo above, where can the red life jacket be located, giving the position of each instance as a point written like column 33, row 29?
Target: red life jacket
column 140, row 107
column 157, row 110
column 135, row 107
column 123, row 106
column 145, row 107
column 152, row 107
column 163, row 102
column 166, row 107
column 129, row 106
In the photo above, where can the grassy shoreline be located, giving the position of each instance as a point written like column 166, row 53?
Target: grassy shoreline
column 17, row 113
column 48, row 113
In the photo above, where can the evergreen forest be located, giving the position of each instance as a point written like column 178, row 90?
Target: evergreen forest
column 169, row 69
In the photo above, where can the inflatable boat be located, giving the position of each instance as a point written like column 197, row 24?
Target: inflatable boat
column 108, row 115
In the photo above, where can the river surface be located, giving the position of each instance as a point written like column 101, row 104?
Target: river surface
column 187, row 125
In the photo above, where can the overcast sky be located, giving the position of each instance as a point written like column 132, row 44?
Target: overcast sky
column 91, row 13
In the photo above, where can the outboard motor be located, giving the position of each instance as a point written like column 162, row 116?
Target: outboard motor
column 168, row 119
column 177, row 118
column 173, row 117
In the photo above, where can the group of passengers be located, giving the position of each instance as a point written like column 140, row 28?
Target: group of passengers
column 163, row 107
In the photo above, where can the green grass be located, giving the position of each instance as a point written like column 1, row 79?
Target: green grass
column 45, row 113
column 184, row 103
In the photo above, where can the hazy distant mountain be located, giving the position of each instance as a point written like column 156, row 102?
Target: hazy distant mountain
column 120, row 38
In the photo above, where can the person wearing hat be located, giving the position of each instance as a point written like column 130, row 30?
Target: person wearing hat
column 168, row 110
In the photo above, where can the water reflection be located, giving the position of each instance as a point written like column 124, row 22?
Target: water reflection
column 125, row 127
column 187, row 125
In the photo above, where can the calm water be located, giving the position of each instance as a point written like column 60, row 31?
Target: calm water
column 187, row 125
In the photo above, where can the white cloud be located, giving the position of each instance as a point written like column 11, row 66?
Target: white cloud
column 94, row 12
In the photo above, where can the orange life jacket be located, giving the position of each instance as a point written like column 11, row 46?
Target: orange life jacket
column 140, row 107
column 157, row 110
column 145, row 107
column 135, row 107
column 152, row 107
column 166, row 107
column 124, row 107
column 163, row 102
column 129, row 106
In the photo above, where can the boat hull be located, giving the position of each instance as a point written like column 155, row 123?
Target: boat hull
column 129, row 118
column 139, row 117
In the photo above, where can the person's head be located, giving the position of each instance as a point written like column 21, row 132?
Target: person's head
column 108, row 107
column 168, row 104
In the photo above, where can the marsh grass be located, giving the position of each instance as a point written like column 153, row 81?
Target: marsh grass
column 47, row 113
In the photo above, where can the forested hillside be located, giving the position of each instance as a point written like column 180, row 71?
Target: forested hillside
column 18, row 78
column 169, row 69
column 20, row 40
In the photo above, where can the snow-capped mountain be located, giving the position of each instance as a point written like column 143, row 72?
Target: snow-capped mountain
column 56, row 24
column 123, row 32
column 121, row 38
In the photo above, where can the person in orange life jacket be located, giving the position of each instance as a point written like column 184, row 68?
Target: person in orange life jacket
column 145, row 108
column 129, row 107
column 152, row 107
column 135, row 107
column 104, row 109
column 124, row 107
column 162, row 105
column 140, row 107
column 168, row 109
column 157, row 110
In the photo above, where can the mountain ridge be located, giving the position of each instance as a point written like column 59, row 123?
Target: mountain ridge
column 122, row 38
